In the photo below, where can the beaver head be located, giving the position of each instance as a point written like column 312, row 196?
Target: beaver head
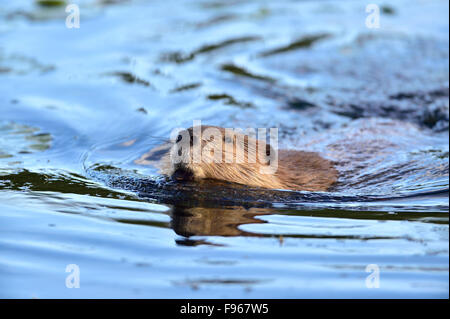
column 211, row 152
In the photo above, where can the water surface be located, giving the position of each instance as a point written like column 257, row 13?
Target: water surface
column 79, row 106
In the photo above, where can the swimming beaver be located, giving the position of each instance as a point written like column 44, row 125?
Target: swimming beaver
column 238, row 158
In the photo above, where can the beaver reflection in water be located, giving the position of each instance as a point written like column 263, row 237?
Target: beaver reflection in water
column 238, row 158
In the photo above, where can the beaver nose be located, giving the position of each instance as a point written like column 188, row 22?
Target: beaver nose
column 182, row 175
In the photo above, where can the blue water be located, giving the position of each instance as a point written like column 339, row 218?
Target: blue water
column 373, row 100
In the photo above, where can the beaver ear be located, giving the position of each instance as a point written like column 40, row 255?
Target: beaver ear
column 268, row 150
column 270, row 154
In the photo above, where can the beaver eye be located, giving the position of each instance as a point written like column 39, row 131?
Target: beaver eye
column 179, row 138
column 193, row 140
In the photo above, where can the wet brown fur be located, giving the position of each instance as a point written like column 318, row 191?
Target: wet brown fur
column 297, row 170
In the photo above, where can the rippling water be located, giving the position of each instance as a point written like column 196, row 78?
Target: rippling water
column 79, row 106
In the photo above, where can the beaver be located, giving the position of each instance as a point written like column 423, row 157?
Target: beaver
column 239, row 158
